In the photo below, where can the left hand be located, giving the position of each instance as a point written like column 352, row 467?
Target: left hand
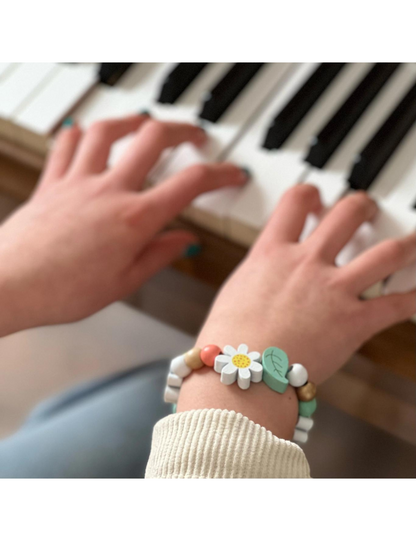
column 87, row 237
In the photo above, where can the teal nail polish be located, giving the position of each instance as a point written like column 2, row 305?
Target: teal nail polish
column 247, row 172
column 144, row 112
column 192, row 250
column 68, row 122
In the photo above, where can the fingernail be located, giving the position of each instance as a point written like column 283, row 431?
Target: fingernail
column 144, row 112
column 68, row 122
column 246, row 172
column 202, row 135
column 201, row 126
column 192, row 250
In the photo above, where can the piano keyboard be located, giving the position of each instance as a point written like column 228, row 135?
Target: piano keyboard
column 338, row 126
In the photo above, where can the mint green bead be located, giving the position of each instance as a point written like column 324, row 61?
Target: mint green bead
column 173, row 408
column 275, row 365
column 306, row 409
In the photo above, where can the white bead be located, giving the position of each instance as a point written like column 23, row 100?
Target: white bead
column 171, row 395
column 297, row 375
column 174, row 380
column 304, row 423
column 179, row 367
column 300, row 436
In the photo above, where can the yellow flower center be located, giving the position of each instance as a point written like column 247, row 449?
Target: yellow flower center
column 241, row 361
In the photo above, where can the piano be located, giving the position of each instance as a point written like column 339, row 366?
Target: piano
column 338, row 126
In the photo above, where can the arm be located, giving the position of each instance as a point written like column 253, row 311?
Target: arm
column 88, row 236
column 290, row 295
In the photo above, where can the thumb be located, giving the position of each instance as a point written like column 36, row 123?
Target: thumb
column 159, row 253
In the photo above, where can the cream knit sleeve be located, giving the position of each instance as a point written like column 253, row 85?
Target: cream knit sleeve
column 206, row 444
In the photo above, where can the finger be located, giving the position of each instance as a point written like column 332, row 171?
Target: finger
column 341, row 222
column 160, row 253
column 288, row 219
column 62, row 153
column 166, row 201
column 146, row 148
column 383, row 312
column 379, row 262
column 93, row 152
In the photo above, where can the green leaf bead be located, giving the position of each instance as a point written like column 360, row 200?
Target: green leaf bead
column 275, row 366
column 306, row 409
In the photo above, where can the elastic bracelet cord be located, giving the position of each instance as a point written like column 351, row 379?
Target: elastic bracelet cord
column 244, row 367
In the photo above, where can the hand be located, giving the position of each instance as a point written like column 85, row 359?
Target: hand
column 87, row 237
column 291, row 295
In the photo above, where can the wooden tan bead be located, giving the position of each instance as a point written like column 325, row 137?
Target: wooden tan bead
column 306, row 392
column 193, row 359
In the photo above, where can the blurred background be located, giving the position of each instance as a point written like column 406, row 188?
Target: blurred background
column 288, row 123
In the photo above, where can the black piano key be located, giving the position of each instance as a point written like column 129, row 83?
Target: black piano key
column 217, row 100
column 304, row 99
column 332, row 134
column 109, row 74
column 378, row 150
column 178, row 81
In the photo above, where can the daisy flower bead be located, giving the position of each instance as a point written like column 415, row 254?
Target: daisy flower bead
column 239, row 364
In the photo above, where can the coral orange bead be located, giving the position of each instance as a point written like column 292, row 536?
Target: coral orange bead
column 209, row 353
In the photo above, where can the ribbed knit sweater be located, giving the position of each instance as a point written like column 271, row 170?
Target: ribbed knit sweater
column 215, row 444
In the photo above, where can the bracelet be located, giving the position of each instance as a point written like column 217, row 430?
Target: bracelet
column 272, row 367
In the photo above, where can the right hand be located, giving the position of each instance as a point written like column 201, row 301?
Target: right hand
column 291, row 295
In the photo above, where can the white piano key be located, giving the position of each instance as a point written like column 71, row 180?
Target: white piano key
column 5, row 68
column 275, row 171
column 135, row 91
column 68, row 85
column 209, row 210
column 102, row 103
column 332, row 178
column 142, row 88
column 22, row 84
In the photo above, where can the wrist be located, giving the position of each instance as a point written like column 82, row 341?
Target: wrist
column 202, row 389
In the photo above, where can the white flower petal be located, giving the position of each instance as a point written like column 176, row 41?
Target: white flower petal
column 229, row 350
column 220, row 362
column 244, row 378
column 254, row 355
column 256, row 370
column 229, row 374
column 243, row 348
